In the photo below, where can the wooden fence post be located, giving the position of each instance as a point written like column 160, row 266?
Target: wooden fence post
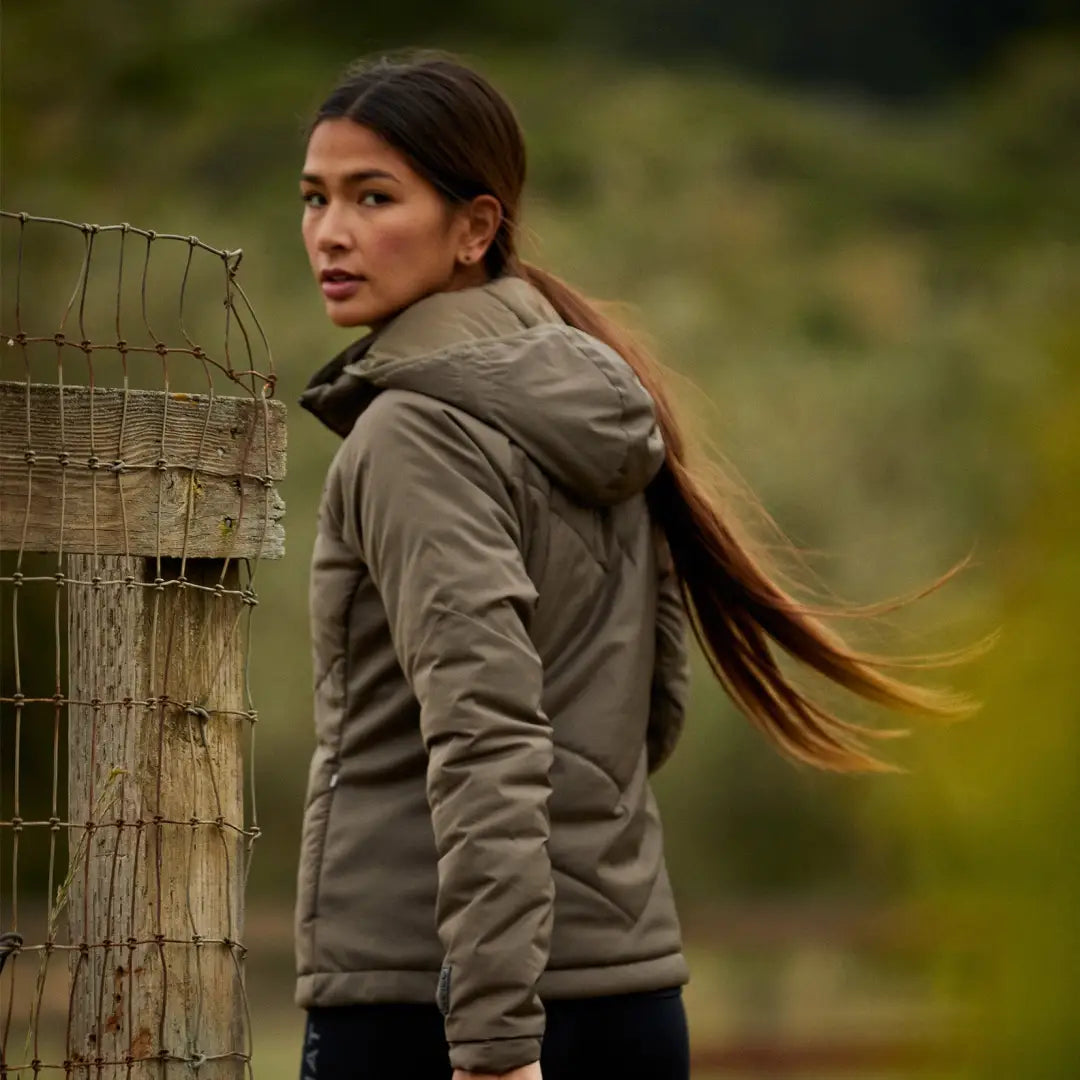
column 155, row 498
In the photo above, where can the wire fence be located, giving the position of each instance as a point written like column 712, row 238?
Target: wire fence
column 136, row 503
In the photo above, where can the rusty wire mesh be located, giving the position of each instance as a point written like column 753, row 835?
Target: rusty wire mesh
column 136, row 504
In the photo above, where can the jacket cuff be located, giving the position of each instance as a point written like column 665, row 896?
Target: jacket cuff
column 494, row 1055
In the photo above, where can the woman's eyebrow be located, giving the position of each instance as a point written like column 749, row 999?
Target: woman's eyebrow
column 352, row 178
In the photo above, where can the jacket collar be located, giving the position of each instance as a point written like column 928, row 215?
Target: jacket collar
column 340, row 391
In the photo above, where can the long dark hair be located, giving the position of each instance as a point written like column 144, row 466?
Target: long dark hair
column 461, row 135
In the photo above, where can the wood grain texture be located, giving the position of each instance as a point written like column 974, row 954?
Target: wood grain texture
column 198, row 474
column 140, row 773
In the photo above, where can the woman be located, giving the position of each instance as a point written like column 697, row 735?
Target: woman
column 509, row 540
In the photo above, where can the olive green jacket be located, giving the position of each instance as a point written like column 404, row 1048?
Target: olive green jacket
column 499, row 662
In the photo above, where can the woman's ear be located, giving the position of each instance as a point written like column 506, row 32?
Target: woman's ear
column 482, row 218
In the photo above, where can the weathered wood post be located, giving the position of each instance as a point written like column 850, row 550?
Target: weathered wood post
column 158, row 501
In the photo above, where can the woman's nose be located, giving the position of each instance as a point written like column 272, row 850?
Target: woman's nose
column 333, row 233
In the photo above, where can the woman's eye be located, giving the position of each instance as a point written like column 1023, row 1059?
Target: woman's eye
column 310, row 198
column 373, row 198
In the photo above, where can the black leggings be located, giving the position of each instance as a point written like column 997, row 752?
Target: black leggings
column 631, row 1036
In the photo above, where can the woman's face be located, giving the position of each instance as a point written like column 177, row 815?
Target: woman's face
column 378, row 235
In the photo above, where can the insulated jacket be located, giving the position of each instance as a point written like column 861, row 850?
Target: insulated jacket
column 499, row 661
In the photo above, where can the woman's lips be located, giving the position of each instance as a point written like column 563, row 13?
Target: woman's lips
column 340, row 288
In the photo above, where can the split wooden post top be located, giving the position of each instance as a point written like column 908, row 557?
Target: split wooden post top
column 140, row 472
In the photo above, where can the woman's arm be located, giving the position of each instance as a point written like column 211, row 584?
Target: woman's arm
column 436, row 525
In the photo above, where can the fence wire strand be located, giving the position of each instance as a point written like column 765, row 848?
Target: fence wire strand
column 151, row 624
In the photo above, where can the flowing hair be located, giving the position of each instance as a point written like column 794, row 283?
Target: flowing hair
column 462, row 136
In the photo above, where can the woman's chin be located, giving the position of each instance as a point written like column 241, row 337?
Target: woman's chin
column 345, row 315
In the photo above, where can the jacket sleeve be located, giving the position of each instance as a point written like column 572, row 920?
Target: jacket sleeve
column 671, row 669
column 441, row 538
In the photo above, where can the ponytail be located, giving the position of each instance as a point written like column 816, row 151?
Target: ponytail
column 736, row 609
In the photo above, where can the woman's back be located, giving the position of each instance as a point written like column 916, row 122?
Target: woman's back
column 485, row 548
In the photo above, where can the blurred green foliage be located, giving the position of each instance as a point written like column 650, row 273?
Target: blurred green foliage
column 869, row 311
column 992, row 812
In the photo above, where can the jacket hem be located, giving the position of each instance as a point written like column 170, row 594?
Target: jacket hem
column 322, row 988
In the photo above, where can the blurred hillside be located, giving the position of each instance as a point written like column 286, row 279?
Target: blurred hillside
column 870, row 312
column 899, row 50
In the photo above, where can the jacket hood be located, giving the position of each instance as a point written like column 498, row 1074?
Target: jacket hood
column 501, row 353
